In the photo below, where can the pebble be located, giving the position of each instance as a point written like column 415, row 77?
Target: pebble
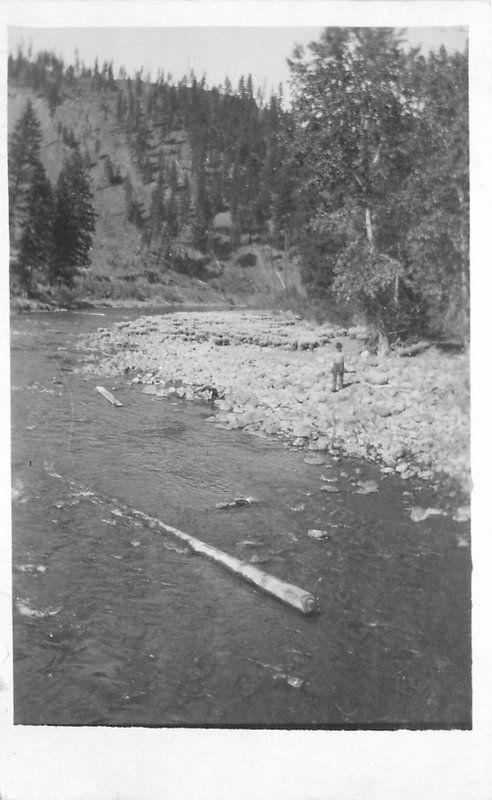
column 314, row 460
column 419, row 514
column 367, row 487
column 317, row 534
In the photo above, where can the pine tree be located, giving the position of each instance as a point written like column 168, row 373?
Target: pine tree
column 134, row 210
column 200, row 215
column 171, row 216
column 185, row 203
column 157, row 206
column 74, row 221
column 121, row 107
column 24, row 150
column 35, row 251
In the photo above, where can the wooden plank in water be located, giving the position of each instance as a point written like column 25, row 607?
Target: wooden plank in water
column 109, row 397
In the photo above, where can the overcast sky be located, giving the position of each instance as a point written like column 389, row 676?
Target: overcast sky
column 216, row 51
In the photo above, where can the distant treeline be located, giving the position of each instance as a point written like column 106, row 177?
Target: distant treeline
column 365, row 174
column 238, row 155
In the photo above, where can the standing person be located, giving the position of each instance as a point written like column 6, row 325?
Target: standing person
column 338, row 368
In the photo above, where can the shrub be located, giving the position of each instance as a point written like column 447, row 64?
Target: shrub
column 246, row 260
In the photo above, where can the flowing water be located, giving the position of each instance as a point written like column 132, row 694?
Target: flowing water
column 116, row 623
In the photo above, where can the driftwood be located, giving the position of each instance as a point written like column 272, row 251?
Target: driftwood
column 109, row 397
column 286, row 592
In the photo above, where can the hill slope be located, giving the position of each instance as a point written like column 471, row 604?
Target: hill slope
column 129, row 261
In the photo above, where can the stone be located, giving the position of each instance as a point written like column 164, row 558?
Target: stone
column 315, row 460
column 329, row 488
column 463, row 514
column 377, row 378
column 302, row 429
column 419, row 514
column 367, row 487
column 382, row 411
column 155, row 389
column 314, row 533
column 397, row 451
column 270, row 427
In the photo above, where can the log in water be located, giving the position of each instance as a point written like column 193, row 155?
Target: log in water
column 286, row 592
column 108, row 396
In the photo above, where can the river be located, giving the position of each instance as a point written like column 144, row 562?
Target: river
column 118, row 624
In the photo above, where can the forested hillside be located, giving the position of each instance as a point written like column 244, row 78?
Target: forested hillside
column 130, row 188
column 185, row 181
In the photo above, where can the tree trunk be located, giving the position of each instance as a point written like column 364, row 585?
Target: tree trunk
column 369, row 230
column 286, row 263
column 463, row 263
column 383, row 343
column 397, row 291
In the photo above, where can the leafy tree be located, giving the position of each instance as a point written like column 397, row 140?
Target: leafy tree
column 74, row 221
column 356, row 114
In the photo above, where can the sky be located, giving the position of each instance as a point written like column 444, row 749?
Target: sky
column 216, row 51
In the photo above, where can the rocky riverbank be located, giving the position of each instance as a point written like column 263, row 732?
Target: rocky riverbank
column 269, row 374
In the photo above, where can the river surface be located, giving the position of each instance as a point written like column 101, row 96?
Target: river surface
column 116, row 623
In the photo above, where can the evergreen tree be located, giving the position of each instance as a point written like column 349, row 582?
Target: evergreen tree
column 157, row 206
column 23, row 156
column 185, row 203
column 171, row 216
column 74, row 221
column 134, row 210
column 35, row 252
column 121, row 106
column 200, row 215
column 433, row 204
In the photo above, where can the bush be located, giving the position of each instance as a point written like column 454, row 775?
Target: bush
column 246, row 260
column 221, row 246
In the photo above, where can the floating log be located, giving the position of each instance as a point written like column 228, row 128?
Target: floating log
column 286, row 592
column 109, row 397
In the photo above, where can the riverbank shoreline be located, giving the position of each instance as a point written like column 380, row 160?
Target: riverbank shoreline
column 27, row 305
column 269, row 374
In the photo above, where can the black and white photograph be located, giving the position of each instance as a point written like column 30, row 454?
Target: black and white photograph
column 238, row 285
